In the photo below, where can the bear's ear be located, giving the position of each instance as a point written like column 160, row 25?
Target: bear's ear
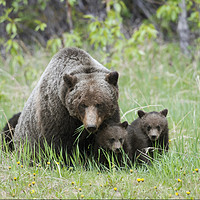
column 141, row 113
column 112, row 78
column 70, row 80
column 124, row 124
column 164, row 112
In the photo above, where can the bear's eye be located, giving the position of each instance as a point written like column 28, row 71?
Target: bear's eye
column 99, row 106
column 158, row 128
column 83, row 106
column 148, row 128
column 112, row 140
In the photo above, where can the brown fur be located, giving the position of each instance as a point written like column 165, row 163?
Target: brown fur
column 111, row 139
column 74, row 89
column 151, row 129
column 8, row 131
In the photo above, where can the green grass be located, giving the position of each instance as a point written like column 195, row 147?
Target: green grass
column 163, row 78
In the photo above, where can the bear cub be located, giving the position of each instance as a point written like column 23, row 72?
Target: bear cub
column 8, row 131
column 111, row 139
column 153, row 127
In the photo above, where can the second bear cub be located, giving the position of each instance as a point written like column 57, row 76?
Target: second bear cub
column 154, row 126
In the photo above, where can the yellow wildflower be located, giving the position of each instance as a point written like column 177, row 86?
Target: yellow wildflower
column 79, row 189
column 155, row 187
column 18, row 162
column 32, row 191
column 73, row 183
column 138, row 179
column 176, row 193
column 196, row 170
column 57, row 163
column 179, row 180
column 29, row 185
column 90, row 184
column 9, row 167
column 115, row 188
column 142, row 179
column 169, row 140
column 82, row 196
column 131, row 170
column 188, row 192
column 48, row 163
column 34, row 174
column 33, row 182
column 15, row 178
column 22, row 166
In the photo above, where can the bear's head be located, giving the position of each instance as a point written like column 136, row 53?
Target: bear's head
column 153, row 124
column 112, row 136
column 91, row 98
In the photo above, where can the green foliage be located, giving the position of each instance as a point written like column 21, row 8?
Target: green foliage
column 13, row 45
column 102, row 34
column 169, row 11
column 54, row 45
column 106, row 36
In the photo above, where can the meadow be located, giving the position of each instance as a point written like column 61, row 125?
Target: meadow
column 162, row 78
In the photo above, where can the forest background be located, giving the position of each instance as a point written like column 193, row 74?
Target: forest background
column 154, row 44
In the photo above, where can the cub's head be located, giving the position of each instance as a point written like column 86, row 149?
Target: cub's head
column 153, row 124
column 90, row 97
column 112, row 137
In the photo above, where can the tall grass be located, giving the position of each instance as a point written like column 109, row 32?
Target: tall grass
column 163, row 78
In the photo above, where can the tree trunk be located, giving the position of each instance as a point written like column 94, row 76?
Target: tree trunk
column 183, row 29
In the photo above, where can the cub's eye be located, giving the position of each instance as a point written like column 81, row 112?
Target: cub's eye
column 148, row 128
column 158, row 128
column 100, row 106
column 112, row 140
column 83, row 106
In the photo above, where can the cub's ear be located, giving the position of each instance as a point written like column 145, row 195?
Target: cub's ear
column 112, row 78
column 124, row 124
column 70, row 80
column 164, row 112
column 141, row 113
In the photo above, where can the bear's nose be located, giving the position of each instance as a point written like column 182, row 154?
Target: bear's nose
column 153, row 137
column 117, row 150
column 91, row 128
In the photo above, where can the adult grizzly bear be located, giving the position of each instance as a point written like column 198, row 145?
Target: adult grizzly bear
column 73, row 90
column 151, row 129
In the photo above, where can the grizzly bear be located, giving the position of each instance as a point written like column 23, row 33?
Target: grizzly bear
column 110, row 139
column 8, row 131
column 152, row 129
column 74, row 90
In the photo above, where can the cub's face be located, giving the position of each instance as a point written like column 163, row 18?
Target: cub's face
column 153, row 123
column 112, row 137
column 92, row 98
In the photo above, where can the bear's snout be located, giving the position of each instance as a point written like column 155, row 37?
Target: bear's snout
column 91, row 119
column 153, row 135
